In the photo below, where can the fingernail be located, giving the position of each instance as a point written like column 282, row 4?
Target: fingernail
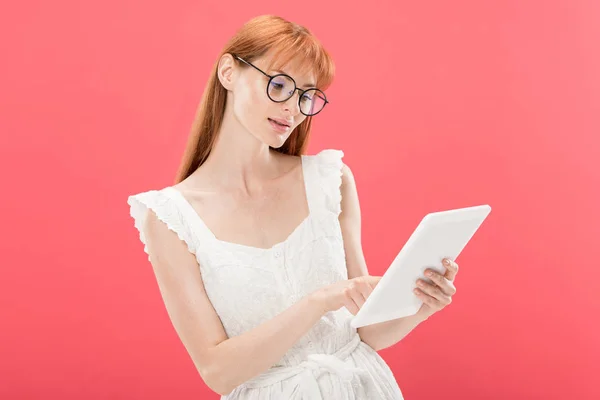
column 446, row 261
column 429, row 273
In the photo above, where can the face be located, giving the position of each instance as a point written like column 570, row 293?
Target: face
column 252, row 107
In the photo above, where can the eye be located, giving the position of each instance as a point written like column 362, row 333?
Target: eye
column 306, row 97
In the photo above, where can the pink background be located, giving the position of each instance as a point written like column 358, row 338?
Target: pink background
column 436, row 104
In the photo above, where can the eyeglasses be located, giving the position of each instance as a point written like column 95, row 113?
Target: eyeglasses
column 281, row 87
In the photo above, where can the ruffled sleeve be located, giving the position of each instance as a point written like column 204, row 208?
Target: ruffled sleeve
column 329, row 167
column 166, row 211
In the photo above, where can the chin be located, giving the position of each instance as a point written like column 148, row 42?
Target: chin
column 271, row 137
column 276, row 141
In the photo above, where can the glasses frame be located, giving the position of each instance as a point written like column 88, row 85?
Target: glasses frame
column 319, row 93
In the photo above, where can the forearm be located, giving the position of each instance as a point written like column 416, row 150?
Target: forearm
column 243, row 357
column 386, row 334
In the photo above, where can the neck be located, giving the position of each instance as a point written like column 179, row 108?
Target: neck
column 238, row 159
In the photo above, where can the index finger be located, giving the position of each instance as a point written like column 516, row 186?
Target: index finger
column 372, row 280
column 451, row 269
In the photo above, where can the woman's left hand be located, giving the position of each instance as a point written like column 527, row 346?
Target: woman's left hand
column 438, row 294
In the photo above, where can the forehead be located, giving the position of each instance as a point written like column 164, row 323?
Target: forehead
column 301, row 69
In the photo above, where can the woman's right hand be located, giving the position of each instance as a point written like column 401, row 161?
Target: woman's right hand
column 350, row 293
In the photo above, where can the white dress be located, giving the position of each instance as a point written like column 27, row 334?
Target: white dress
column 248, row 286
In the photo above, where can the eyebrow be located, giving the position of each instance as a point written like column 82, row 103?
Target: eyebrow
column 308, row 85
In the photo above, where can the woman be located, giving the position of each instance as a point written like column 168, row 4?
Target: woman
column 256, row 247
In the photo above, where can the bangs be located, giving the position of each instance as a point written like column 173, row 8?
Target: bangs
column 305, row 53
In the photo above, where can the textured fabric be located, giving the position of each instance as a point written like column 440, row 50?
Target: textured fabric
column 248, row 286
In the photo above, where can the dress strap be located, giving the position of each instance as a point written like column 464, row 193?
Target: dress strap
column 323, row 179
column 197, row 225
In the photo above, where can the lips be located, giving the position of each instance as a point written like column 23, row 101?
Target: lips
column 280, row 121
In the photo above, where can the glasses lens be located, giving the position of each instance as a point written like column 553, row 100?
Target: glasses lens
column 312, row 101
column 281, row 88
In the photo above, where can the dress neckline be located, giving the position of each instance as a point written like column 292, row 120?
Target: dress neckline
column 290, row 236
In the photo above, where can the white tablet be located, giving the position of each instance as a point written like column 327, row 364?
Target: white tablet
column 440, row 235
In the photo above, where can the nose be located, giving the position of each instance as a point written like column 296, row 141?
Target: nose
column 292, row 104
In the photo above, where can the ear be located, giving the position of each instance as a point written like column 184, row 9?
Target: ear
column 226, row 71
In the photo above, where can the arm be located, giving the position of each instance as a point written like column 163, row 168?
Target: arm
column 222, row 363
column 385, row 334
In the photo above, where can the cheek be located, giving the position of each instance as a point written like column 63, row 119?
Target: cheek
column 251, row 105
column 299, row 119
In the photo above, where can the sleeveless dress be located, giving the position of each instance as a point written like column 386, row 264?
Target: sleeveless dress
column 248, row 286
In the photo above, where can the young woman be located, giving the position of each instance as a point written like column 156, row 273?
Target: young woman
column 256, row 248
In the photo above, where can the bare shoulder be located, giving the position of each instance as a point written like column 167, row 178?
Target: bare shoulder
column 197, row 182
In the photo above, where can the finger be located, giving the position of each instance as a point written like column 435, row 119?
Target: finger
column 446, row 285
column 427, row 299
column 365, row 287
column 358, row 293
column 372, row 280
column 432, row 301
column 349, row 302
column 451, row 269
column 433, row 291
column 358, row 299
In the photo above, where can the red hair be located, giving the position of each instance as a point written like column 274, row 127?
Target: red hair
column 267, row 33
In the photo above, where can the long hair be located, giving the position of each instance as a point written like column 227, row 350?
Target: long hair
column 258, row 36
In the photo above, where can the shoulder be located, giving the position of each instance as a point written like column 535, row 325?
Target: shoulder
column 157, row 216
column 348, row 193
column 328, row 156
column 327, row 162
column 347, row 175
column 332, row 160
column 147, row 208
column 149, row 199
